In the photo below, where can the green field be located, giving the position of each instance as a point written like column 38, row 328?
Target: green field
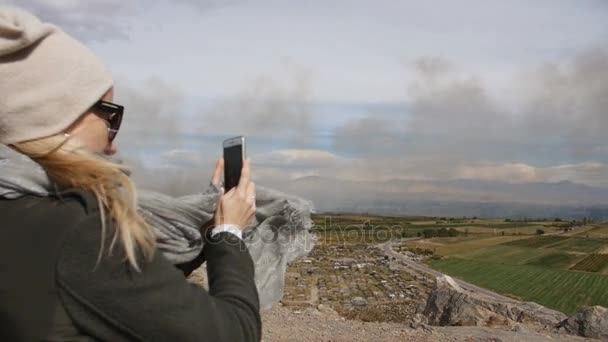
column 458, row 245
column 565, row 291
column 538, row 242
column 564, row 243
column 560, row 272
column 510, row 255
column 555, row 260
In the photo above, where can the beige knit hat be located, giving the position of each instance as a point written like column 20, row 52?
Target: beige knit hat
column 47, row 78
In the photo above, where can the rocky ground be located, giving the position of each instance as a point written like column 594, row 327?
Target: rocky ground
column 322, row 323
column 311, row 324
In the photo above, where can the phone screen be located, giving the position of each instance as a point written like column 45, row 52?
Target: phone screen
column 233, row 163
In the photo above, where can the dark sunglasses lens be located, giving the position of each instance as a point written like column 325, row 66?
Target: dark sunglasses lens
column 114, row 116
column 115, row 121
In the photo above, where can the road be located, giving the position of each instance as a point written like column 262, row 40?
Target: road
column 387, row 248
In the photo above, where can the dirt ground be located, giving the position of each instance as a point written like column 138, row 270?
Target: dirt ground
column 283, row 324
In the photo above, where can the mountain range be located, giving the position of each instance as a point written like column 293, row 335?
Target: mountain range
column 460, row 197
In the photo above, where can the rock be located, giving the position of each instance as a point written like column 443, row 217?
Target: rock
column 451, row 305
column 347, row 261
column 588, row 322
column 519, row 328
column 359, row 301
column 426, row 328
column 326, row 309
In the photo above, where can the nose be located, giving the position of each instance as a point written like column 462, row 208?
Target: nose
column 110, row 149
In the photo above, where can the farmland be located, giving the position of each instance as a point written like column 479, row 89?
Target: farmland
column 505, row 254
column 561, row 265
column 592, row 263
column 562, row 290
column 573, row 244
column 564, row 272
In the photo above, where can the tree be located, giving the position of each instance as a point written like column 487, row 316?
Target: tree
column 540, row 232
column 453, row 232
column 428, row 233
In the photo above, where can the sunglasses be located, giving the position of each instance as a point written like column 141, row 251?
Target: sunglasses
column 112, row 113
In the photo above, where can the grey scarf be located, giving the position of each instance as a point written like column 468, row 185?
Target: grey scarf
column 280, row 235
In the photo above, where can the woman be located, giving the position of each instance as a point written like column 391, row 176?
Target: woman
column 78, row 260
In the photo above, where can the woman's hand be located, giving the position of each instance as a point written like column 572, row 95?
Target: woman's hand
column 237, row 206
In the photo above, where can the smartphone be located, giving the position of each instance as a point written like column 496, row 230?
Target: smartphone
column 234, row 155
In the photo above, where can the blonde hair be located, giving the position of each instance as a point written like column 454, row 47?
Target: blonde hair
column 68, row 163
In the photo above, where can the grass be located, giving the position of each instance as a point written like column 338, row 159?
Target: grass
column 555, row 260
column 509, row 255
column 564, row 243
column 593, row 231
column 531, row 268
column 523, row 229
column 538, row 242
column 458, row 245
column 565, row 291
column 581, row 245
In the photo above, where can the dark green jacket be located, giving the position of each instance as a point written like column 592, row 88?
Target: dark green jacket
column 50, row 288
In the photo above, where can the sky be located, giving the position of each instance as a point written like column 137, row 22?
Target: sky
column 514, row 91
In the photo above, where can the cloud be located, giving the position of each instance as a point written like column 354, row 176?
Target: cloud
column 266, row 108
column 151, row 138
column 92, row 20
column 171, row 149
column 370, row 135
column 510, row 172
column 207, row 5
column 181, row 158
column 590, row 173
column 152, row 111
column 279, row 165
column 296, row 158
column 559, row 115
column 569, row 101
column 104, row 20
column 443, row 103
column 453, row 129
